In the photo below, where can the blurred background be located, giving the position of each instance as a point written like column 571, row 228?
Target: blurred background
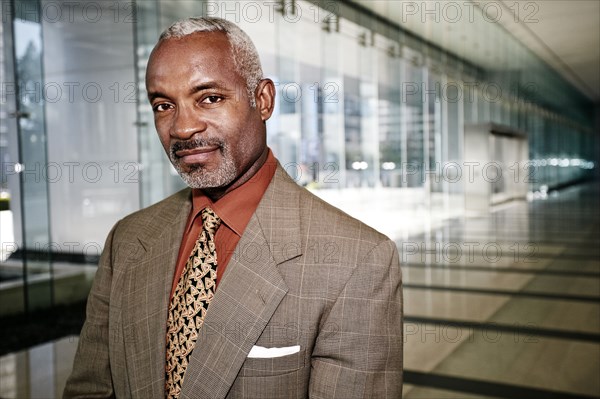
column 468, row 132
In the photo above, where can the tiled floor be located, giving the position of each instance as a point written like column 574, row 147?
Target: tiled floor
column 505, row 305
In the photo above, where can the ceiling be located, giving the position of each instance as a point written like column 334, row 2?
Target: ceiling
column 564, row 33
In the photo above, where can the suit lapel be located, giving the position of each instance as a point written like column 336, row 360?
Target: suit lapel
column 249, row 293
column 146, row 300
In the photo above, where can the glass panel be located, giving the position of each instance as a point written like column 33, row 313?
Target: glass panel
column 11, row 265
column 413, row 119
column 334, row 169
column 390, row 123
column 90, row 122
column 355, row 164
column 368, row 103
column 285, row 140
column 433, row 130
column 452, row 173
column 35, row 252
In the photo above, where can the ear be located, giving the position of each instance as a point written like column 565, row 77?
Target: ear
column 265, row 98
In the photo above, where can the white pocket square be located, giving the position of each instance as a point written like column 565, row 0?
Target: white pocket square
column 265, row 353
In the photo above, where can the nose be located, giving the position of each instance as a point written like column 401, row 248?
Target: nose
column 187, row 122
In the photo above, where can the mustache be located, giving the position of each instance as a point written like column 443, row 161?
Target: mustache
column 197, row 142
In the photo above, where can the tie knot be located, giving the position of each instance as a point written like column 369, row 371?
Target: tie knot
column 210, row 220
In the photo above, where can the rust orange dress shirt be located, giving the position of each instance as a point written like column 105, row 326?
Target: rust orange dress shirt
column 235, row 210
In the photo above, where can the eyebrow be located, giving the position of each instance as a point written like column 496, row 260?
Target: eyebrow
column 206, row 86
column 155, row 94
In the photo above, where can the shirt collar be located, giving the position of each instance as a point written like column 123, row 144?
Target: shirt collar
column 237, row 206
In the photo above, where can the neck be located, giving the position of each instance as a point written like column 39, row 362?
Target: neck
column 216, row 193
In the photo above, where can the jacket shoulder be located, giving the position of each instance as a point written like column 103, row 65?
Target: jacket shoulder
column 154, row 218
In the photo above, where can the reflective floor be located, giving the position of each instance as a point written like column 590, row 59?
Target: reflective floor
column 504, row 305
column 40, row 372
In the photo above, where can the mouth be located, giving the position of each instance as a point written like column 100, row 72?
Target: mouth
column 197, row 155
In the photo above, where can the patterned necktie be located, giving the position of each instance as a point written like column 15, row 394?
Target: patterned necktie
column 191, row 298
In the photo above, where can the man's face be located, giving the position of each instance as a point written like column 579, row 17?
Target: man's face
column 202, row 111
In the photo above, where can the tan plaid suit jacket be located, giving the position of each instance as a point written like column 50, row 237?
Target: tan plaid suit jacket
column 304, row 273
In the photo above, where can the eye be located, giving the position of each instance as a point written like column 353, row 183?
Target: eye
column 161, row 107
column 212, row 99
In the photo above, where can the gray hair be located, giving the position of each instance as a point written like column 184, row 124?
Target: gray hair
column 244, row 54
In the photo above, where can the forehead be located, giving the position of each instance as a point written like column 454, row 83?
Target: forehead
column 194, row 42
column 198, row 55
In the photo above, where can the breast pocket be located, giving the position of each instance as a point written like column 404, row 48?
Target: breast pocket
column 265, row 367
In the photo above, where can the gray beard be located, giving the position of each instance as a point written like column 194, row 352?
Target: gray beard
column 199, row 178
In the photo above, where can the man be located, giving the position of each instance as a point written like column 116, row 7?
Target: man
column 305, row 301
